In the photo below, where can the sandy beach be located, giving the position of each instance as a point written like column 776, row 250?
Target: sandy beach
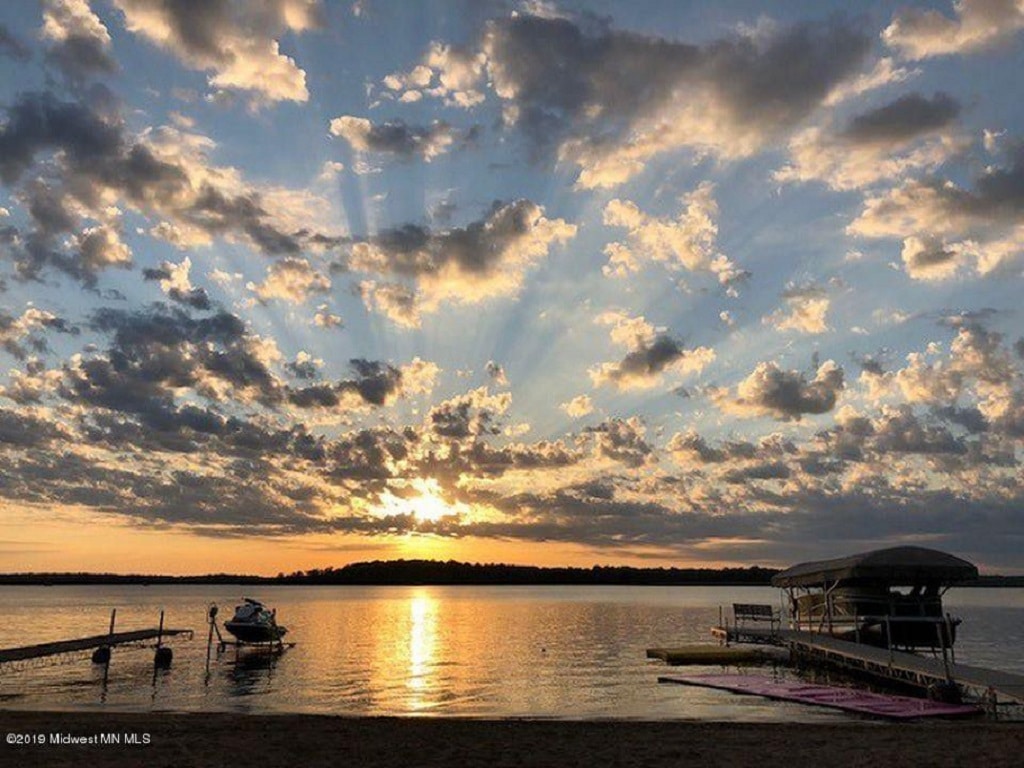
column 311, row 741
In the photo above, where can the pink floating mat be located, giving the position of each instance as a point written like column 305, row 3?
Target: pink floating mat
column 849, row 699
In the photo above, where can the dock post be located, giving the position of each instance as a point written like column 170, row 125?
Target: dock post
column 944, row 639
column 106, row 652
column 162, row 657
column 211, row 616
column 888, row 638
column 102, row 654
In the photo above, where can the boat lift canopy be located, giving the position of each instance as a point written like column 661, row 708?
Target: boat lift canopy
column 895, row 566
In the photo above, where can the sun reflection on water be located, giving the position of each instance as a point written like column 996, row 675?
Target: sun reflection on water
column 422, row 648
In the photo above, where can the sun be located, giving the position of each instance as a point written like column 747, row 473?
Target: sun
column 429, row 507
column 426, row 504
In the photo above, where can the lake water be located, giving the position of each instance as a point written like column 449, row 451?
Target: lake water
column 553, row 652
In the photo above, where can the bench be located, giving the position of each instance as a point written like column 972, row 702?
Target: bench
column 744, row 612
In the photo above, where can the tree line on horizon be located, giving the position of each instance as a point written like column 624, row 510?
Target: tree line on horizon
column 422, row 572
column 451, row 572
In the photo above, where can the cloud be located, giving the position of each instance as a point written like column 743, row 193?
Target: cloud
column 650, row 354
column 291, row 279
column 977, row 25
column 324, row 318
column 929, row 259
column 783, row 395
column 622, row 440
column 305, row 366
column 469, row 416
column 449, row 72
column 941, row 222
column 496, row 373
column 687, row 242
column 374, row 383
column 395, row 137
column 12, row 46
column 395, row 301
column 19, row 429
column 79, row 43
column 606, row 486
column 806, row 308
column 910, row 134
column 159, row 355
column 236, row 42
column 578, row 407
column 488, row 258
column 19, row 335
column 176, row 283
column 96, row 165
column 690, row 448
column 609, row 101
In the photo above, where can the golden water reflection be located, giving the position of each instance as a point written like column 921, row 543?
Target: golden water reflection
column 421, row 649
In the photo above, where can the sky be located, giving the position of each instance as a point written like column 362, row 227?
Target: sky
column 289, row 284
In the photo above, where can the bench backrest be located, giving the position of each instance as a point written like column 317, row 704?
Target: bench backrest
column 753, row 611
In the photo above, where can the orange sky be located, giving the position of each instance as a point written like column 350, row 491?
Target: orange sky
column 34, row 540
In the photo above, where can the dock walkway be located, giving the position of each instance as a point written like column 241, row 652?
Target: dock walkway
column 897, row 666
column 59, row 647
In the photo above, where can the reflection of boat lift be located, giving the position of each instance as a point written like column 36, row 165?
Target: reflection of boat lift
column 272, row 645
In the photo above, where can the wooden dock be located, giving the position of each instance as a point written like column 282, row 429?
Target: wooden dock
column 894, row 666
column 60, row 647
column 708, row 655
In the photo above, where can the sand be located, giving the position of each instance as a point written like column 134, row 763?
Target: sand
column 310, row 741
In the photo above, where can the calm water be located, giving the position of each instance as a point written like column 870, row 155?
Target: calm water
column 561, row 652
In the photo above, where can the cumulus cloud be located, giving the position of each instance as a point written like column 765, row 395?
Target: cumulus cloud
column 609, row 101
column 176, row 283
column 578, row 407
column 913, row 133
column 291, row 279
column 805, row 312
column 687, row 242
column 305, row 366
column 324, row 318
column 487, row 259
column 101, row 247
column 97, row 165
column 929, row 259
column 22, row 334
column 622, row 440
column 449, row 72
column 79, row 43
column 943, row 224
column 470, row 416
column 395, row 137
column 236, row 42
column 783, row 395
column 691, row 448
column 496, row 373
column 395, row 301
column 976, row 25
column 650, row 354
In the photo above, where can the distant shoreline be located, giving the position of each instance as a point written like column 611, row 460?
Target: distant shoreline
column 450, row 573
column 311, row 741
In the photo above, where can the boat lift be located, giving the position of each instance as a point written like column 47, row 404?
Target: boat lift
column 274, row 647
